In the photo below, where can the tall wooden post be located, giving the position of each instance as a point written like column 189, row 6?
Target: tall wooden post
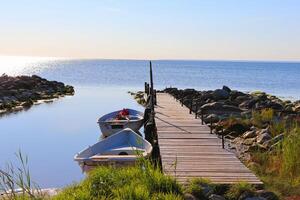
column 151, row 90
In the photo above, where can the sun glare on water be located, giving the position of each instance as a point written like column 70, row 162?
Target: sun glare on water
column 16, row 65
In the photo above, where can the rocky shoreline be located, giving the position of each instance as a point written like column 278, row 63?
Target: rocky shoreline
column 241, row 116
column 21, row 92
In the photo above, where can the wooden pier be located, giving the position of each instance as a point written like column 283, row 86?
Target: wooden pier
column 188, row 150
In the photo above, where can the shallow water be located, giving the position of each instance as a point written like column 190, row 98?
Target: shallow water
column 50, row 134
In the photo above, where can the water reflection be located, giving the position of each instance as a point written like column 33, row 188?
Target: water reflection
column 50, row 134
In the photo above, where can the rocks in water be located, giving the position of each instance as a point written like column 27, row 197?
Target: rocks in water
column 139, row 97
column 22, row 91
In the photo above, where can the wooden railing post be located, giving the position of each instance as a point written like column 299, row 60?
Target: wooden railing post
column 181, row 99
column 211, row 125
column 223, row 142
column 196, row 110
column 202, row 117
column 191, row 106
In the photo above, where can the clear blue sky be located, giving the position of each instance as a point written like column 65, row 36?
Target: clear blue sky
column 152, row 29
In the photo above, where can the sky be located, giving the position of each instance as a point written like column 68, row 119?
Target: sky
column 144, row 29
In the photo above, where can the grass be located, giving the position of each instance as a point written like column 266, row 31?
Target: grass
column 280, row 169
column 16, row 183
column 236, row 190
column 139, row 182
column 198, row 187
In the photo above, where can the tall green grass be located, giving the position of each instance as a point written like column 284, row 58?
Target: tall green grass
column 16, row 182
column 291, row 154
column 280, row 168
column 143, row 181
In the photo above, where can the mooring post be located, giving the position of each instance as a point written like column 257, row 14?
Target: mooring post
column 155, row 101
column 191, row 106
column 211, row 125
column 151, row 90
column 202, row 117
column 222, row 132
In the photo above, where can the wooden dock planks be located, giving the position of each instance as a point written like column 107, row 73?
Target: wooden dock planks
column 188, row 150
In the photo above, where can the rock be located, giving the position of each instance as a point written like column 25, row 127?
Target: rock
column 249, row 141
column 220, row 107
column 27, row 104
column 263, row 138
column 254, row 198
column 256, row 148
column 274, row 140
column 20, row 91
column 227, row 89
column 266, row 195
column 249, row 134
column 189, row 197
column 237, row 128
column 211, row 118
column 246, row 195
column 216, row 197
column 248, row 104
column 219, row 94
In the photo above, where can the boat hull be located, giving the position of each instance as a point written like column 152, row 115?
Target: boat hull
column 121, row 149
column 109, row 127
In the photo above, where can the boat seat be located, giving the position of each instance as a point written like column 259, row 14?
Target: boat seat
column 104, row 157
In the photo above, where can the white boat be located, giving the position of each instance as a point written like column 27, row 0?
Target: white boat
column 109, row 124
column 122, row 148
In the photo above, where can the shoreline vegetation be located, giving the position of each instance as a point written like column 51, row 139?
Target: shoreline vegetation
column 262, row 129
column 21, row 92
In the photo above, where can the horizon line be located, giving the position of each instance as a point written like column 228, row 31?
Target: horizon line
column 144, row 59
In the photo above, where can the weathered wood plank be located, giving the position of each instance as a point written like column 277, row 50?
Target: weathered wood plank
column 188, row 150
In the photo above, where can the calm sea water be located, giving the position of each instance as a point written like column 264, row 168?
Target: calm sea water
column 50, row 134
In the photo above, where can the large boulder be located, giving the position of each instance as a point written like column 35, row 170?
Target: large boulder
column 219, row 94
column 266, row 195
column 227, row 89
column 220, row 107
